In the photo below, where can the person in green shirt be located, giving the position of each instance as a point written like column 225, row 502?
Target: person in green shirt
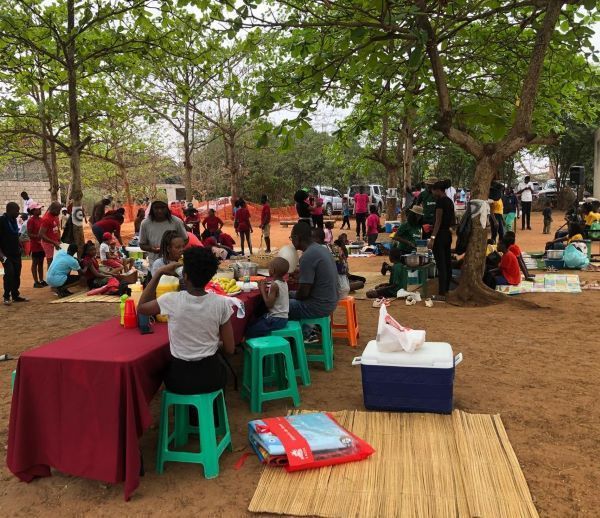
column 427, row 201
column 409, row 231
column 390, row 289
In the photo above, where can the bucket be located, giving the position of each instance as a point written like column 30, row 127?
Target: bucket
column 166, row 284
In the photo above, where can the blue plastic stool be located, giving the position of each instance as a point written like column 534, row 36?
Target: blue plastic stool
column 276, row 353
column 293, row 333
column 326, row 345
column 211, row 449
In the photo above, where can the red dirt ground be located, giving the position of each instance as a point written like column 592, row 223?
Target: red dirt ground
column 538, row 368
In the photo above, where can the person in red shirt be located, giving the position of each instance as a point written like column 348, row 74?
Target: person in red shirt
column 372, row 225
column 265, row 222
column 192, row 220
column 91, row 269
column 509, row 239
column 361, row 207
column 212, row 223
column 243, row 225
column 176, row 210
column 508, row 272
column 111, row 224
column 226, row 240
column 34, row 222
column 50, row 231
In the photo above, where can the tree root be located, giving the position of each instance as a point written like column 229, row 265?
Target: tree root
column 481, row 296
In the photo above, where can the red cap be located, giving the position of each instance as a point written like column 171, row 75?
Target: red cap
column 106, row 236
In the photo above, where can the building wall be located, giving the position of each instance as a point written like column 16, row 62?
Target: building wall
column 10, row 190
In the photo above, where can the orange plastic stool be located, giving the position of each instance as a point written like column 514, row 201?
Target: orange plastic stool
column 349, row 330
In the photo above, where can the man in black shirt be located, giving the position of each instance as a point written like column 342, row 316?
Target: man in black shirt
column 10, row 254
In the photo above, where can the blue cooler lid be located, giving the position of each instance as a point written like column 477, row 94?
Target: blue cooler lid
column 432, row 355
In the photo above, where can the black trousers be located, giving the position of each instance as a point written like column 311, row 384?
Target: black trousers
column 525, row 214
column 317, row 220
column 361, row 223
column 346, row 222
column 443, row 261
column 498, row 232
column 197, row 377
column 12, row 276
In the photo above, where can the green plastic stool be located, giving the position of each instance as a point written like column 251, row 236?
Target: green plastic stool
column 210, row 448
column 257, row 352
column 326, row 345
column 293, row 333
column 12, row 381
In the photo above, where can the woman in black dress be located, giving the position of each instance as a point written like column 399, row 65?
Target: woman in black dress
column 303, row 209
column 441, row 237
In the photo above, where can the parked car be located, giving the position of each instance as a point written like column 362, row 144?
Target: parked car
column 332, row 198
column 376, row 194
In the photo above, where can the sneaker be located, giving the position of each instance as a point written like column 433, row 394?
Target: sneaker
column 20, row 299
column 7, row 302
column 313, row 338
column 38, row 285
column 384, row 268
column 44, row 284
column 63, row 292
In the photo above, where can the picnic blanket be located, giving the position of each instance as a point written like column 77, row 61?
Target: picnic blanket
column 83, row 297
column 545, row 283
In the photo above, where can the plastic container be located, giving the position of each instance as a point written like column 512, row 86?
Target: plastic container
column 559, row 264
column 166, row 284
column 136, row 292
column 421, row 381
column 389, row 225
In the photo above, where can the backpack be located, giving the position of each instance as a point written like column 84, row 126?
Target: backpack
column 463, row 231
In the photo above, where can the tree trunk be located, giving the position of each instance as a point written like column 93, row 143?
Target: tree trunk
column 392, row 183
column 122, row 168
column 74, row 129
column 231, row 162
column 187, row 155
column 407, row 157
column 471, row 289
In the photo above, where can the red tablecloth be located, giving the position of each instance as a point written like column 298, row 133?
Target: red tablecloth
column 81, row 403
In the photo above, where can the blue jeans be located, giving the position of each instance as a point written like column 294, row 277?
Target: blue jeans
column 264, row 325
column 300, row 309
column 501, row 281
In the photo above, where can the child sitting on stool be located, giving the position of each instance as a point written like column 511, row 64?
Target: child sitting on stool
column 276, row 299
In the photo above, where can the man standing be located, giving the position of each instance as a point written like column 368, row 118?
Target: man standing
column 10, row 254
column 50, row 231
column 361, row 209
column 525, row 190
column 317, row 293
column 27, row 201
column 428, row 202
column 265, row 221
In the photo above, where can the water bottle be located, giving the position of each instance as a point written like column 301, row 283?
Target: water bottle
column 246, row 287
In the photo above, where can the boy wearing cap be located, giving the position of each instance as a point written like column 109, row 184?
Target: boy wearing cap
column 34, row 222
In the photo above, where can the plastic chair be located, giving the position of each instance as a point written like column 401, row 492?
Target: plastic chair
column 275, row 349
column 326, row 345
column 12, row 381
column 348, row 330
column 293, row 333
column 210, row 448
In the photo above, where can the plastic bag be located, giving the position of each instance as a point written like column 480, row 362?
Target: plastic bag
column 305, row 441
column 575, row 255
column 393, row 337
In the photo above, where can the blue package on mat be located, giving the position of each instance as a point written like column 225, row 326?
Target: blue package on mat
column 320, row 432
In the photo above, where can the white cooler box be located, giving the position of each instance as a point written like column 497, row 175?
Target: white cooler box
column 421, row 381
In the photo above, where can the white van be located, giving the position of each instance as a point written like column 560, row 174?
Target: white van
column 376, row 194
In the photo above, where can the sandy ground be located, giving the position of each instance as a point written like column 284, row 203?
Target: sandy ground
column 538, row 368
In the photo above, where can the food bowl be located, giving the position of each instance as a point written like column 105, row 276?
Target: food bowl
column 414, row 260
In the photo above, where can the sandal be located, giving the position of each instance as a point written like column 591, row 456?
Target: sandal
column 5, row 357
column 377, row 303
column 439, row 298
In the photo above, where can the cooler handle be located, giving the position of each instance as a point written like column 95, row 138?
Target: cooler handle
column 356, row 360
column 458, row 359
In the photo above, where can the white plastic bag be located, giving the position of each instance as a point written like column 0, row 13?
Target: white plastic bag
column 393, row 337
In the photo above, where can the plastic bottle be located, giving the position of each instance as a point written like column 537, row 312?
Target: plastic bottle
column 246, row 286
column 136, row 292
column 122, row 308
